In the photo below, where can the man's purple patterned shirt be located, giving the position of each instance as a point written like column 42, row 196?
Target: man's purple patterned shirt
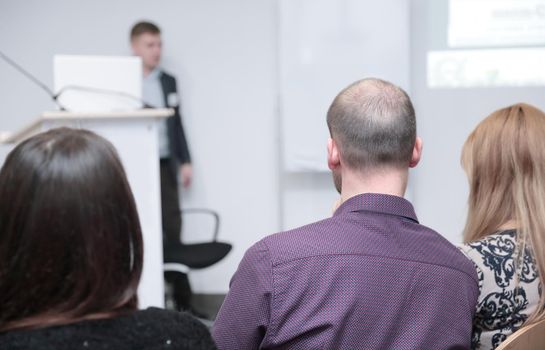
column 370, row 277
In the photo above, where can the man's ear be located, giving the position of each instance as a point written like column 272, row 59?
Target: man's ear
column 333, row 158
column 134, row 44
column 417, row 152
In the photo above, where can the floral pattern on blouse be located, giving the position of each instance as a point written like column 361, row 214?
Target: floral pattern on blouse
column 508, row 293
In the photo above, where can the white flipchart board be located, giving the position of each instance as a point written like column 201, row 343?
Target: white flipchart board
column 324, row 46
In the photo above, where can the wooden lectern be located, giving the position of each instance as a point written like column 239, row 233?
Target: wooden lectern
column 135, row 135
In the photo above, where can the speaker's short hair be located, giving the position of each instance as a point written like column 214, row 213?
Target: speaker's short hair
column 144, row 27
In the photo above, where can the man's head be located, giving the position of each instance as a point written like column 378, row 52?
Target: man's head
column 146, row 43
column 373, row 128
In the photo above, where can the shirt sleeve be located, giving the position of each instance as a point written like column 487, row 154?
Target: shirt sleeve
column 473, row 256
column 243, row 319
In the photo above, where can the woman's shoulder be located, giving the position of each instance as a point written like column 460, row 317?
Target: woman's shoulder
column 162, row 318
column 503, row 273
column 509, row 286
column 501, row 245
column 180, row 328
column 492, row 257
column 152, row 328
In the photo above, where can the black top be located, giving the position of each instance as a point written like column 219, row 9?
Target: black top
column 145, row 329
column 179, row 151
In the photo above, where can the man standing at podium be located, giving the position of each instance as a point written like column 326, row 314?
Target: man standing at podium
column 159, row 90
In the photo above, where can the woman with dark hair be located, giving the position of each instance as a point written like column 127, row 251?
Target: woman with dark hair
column 504, row 236
column 71, row 252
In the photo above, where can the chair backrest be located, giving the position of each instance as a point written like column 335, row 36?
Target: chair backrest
column 528, row 337
column 181, row 257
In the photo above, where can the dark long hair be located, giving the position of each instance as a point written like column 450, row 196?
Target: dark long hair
column 70, row 238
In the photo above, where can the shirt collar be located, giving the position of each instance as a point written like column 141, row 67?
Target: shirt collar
column 378, row 203
column 154, row 74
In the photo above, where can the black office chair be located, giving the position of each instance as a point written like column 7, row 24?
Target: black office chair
column 179, row 258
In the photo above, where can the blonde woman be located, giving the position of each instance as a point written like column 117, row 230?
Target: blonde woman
column 504, row 159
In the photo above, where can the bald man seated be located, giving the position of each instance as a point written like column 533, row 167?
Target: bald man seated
column 369, row 277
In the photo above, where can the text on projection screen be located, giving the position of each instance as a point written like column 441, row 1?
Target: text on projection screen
column 490, row 45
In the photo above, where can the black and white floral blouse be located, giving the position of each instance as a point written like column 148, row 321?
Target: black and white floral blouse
column 505, row 300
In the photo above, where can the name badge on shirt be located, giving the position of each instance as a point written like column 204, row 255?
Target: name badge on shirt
column 172, row 100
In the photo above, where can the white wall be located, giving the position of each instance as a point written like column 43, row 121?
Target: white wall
column 223, row 53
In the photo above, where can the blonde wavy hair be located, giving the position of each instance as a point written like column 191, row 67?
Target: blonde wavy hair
column 504, row 159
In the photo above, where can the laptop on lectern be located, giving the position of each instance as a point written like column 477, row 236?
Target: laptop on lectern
column 98, row 83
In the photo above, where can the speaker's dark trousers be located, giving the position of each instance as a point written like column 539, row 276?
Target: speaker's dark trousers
column 172, row 228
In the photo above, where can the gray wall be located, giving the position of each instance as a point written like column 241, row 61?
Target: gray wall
column 225, row 55
column 445, row 117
